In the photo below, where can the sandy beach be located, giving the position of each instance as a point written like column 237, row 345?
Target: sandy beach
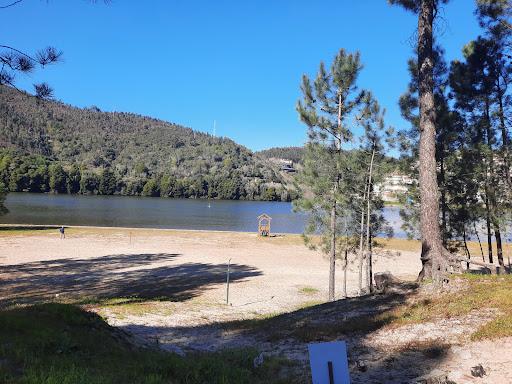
column 171, row 282
column 267, row 274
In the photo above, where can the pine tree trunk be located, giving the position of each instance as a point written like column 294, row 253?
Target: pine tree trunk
column 499, row 245
column 345, row 263
column 332, row 254
column 489, row 233
column 361, row 250
column 369, row 272
column 468, row 254
column 434, row 264
column 479, row 242
column 444, row 230
column 490, row 193
column 504, row 136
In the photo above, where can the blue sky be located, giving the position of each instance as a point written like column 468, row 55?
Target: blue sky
column 236, row 62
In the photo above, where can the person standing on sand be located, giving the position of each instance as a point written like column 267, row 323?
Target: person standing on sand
column 62, row 234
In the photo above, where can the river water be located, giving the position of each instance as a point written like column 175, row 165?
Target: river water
column 147, row 212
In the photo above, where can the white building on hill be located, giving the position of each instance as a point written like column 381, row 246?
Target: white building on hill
column 393, row 186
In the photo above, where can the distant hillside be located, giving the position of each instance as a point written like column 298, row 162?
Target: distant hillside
column 287, row 153
column 51, row 146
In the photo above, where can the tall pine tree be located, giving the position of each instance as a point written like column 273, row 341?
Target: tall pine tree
column 433, row 255
column 326, row 108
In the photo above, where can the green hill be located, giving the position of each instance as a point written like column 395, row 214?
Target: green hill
column 51, row 146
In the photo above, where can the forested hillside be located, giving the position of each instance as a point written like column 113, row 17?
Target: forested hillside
column 50, row 146
column 294, row 154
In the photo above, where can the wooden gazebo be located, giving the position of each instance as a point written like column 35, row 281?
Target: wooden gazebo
column 264, row 224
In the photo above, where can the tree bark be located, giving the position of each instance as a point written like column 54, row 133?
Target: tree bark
column 499, row 245
column 490, row 192
column 369, row 272
column 345, row 263
column 432, row 257
column 361, row 245
column 479, row 242
column 468, row 254
column 332, row 253
column 489, row 233
column 504, row 134
column 444, row 220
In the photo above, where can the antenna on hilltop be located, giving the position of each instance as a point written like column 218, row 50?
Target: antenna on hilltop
column 214, row 127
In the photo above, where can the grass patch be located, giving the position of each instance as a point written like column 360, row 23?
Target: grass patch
column 395, row 244
column 360, row 324
column 482, row 292
column 60, row 343
column 6, row 231
column 122, row 310
column 309, row 304
column 308, row 290
column 259, row 321
column 117, row 301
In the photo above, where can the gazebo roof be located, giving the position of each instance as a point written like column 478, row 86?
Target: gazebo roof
column 264, row 216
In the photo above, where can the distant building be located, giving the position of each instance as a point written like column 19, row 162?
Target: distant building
column 393, row 186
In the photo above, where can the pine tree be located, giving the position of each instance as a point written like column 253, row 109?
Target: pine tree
column 15, row 61
column 494, row 18
column 479, row 87
column 326, row 108
column 433, row 257
column 373, row 143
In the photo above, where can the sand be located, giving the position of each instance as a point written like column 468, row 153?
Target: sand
column 267, row 274
column 180, row 279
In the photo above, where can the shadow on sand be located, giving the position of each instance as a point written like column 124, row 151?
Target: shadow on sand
column 112, row 276
column 352, row 320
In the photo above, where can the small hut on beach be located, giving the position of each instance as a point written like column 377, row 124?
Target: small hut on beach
column 264, row 224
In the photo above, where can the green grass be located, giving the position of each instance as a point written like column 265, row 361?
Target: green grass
column 360, row 324
column 6, row 231
column 308, row 290
column 483, row 292
column 63, row 344
column 123, row 310
column 309, row 304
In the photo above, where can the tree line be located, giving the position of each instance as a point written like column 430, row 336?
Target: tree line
column 36, row 173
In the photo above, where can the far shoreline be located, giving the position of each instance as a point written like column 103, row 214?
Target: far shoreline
column 392, row 244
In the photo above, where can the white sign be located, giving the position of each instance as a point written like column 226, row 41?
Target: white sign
column 329, row 363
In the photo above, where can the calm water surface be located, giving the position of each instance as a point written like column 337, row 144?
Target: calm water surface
column 146, row 212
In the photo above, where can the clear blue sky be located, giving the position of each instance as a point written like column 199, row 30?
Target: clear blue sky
column 236, row 62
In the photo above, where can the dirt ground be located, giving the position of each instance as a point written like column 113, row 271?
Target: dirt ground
column 168, row 288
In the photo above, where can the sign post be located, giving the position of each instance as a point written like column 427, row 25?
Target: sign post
column 329, row 363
